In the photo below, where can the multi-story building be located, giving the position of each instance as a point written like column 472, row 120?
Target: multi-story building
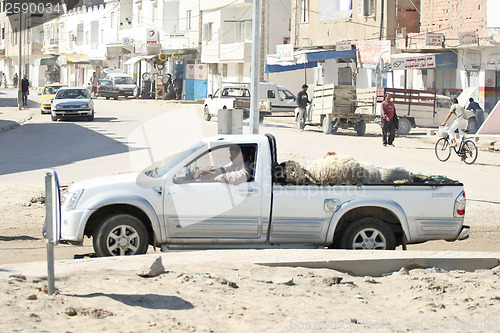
column 226, row 43
column 470, row 30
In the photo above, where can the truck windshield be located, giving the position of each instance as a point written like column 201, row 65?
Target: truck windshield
column 161, row 167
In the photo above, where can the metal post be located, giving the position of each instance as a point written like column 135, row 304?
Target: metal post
column 254, row 94
column 20, row 93
column 49, row 232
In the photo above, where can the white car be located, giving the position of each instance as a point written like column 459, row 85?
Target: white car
column 72, row 102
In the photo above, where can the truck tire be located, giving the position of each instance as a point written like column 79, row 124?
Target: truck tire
column 360, row 127
column 206, row 114
column 404, row 126
column 472, row 125
column 368, row 233
column 327, row 125
column 120, row 235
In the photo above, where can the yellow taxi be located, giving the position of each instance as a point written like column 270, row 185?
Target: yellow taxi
column 48, row 93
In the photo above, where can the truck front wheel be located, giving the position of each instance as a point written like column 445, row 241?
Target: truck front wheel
column 206, row 114
column 120, row 235
column 368, row 233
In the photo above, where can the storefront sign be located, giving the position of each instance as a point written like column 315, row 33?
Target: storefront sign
column 370, row 51
column 467, row 38
column 285, row 52
column 491, row 62
column 343, row 46
column 434, row 39
column 152, row 37
column 425, row 61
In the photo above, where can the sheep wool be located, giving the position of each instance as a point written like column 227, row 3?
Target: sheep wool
column 370, row 174
column 395, row 173
column 336, row 169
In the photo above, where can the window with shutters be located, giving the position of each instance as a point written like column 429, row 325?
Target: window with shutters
column 304, row 11
column 366, row 7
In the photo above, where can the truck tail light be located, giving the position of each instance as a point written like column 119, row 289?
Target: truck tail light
column 117, row 89
column 459, row 209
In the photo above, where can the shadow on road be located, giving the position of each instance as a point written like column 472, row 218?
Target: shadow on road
column 42, row 146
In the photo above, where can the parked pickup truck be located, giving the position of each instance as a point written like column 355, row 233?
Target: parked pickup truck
column 181, row 203
column 232, row 96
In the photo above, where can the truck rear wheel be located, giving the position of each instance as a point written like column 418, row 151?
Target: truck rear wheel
column 472, row 125
column 206, row 114
column 368, row 233
column 360, row 127
column 120, row 235
column 404, row 126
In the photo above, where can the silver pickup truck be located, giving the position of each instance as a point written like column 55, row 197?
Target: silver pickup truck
column 191, row 200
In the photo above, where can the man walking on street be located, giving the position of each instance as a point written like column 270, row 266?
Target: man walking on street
column 25, row 89
column 302, row 102
column 94, row 80
column 387, row 113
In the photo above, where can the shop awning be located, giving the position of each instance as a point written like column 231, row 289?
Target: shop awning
column 46, row 61
column 135, row 59
column 306, row 59
column 77, row 58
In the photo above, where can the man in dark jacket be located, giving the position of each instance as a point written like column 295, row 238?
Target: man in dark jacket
column 25, row 89
column 302, row 102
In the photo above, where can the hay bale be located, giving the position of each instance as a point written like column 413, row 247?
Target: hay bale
column 336, row 169
column 370, row 174
column 395, row 174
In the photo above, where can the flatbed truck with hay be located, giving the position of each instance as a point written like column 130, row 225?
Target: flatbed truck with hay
column 230, row 192
column 337, row 106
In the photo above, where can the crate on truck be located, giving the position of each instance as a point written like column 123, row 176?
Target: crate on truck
column 337, row 106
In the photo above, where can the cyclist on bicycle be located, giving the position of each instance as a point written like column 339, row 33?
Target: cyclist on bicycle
column 460, row 122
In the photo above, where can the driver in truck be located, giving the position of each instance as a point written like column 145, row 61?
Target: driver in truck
column 237, row 172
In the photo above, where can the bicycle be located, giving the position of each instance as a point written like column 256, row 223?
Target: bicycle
column 467, row 150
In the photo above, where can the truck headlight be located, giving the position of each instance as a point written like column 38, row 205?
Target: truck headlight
column 71, row 199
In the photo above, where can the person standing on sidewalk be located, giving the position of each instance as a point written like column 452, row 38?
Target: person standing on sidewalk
column 387, row 114
column 25, row 89
column 4, row 78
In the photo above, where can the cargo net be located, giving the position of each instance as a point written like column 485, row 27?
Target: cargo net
column 337, row 169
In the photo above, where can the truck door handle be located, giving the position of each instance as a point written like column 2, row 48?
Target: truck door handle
column 249, row 191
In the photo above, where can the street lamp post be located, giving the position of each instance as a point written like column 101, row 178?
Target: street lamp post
column 20, row 92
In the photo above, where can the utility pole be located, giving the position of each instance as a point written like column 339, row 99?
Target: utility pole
column 254, row 94
column 20, row 92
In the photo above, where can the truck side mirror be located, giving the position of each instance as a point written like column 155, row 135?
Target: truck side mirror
column 183, row 175
column 210, row 96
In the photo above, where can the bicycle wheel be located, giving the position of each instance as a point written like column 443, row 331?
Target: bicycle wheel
column 469, row 152
column 442, row 150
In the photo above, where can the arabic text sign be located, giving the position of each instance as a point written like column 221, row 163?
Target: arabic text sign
column 467, row 38
column 343, row 46
column 434, row 39
column 370, row 51
column 427, row 61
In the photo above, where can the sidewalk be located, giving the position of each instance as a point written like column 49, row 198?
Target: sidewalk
column 358, row 263
column 10, row 115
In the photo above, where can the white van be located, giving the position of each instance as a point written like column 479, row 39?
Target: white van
column 281, row 99
column 125, row 84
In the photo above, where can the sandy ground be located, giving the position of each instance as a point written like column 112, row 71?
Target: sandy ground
column 254, row 298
